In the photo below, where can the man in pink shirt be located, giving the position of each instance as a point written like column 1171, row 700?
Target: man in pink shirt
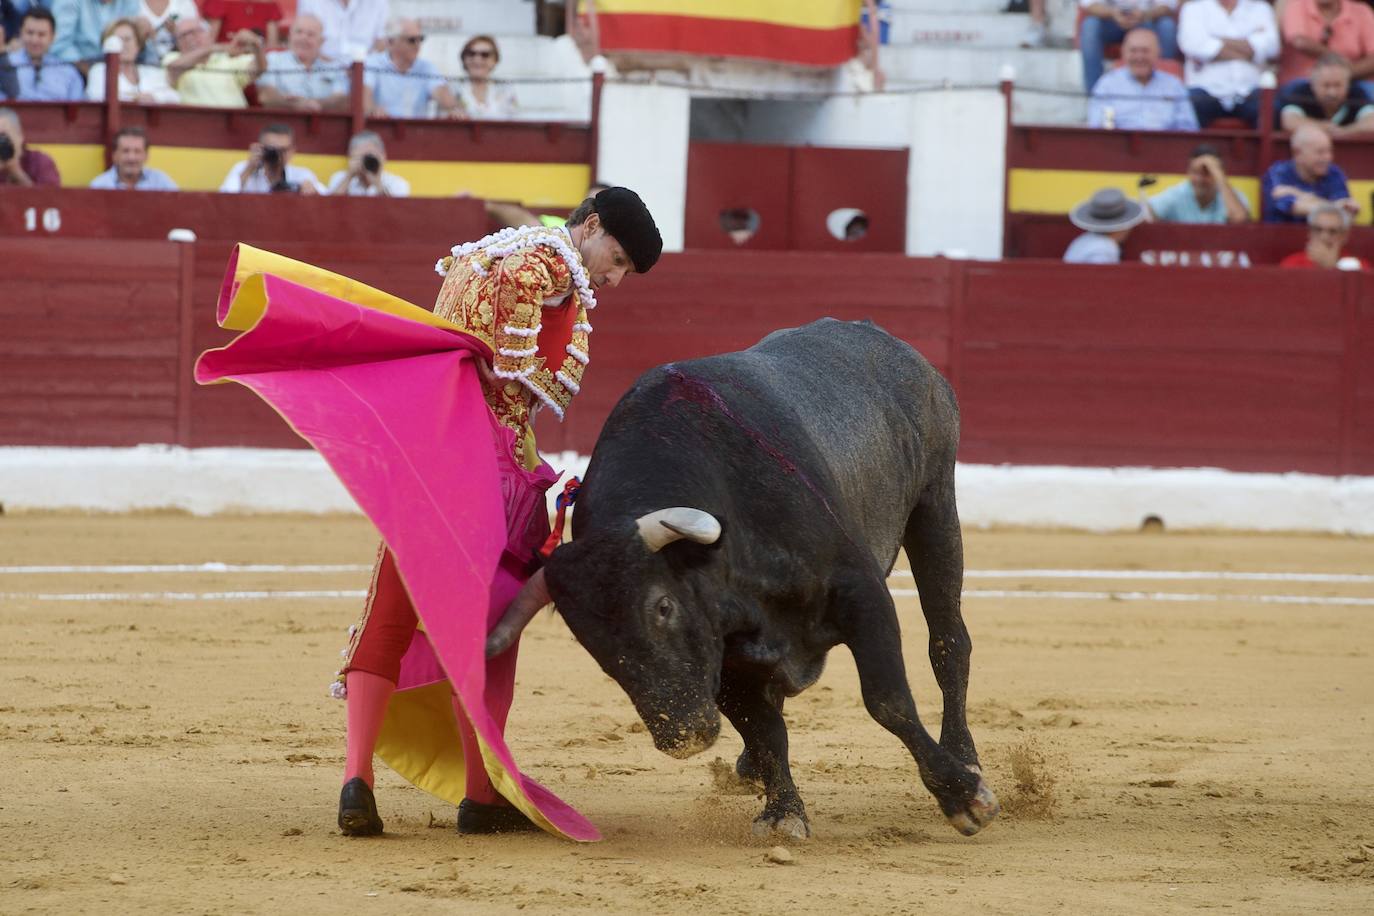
column 1312, row 28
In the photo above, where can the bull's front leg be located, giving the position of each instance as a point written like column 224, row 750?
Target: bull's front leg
column 875, row 639
column 744, row 701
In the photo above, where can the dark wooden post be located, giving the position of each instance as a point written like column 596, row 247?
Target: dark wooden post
column 594, row 144
column 112, row 116
column 356, row 110
column 1008, row 78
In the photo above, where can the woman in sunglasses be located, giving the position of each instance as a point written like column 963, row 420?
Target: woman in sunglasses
column 483, row 98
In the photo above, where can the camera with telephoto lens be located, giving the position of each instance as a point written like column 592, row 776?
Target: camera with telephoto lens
column 271, row 155
column 6, row 148
column 372, row 163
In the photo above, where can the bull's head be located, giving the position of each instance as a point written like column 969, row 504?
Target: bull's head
column 645, row 605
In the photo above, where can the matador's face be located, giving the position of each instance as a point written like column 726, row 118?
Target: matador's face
column 605, row 259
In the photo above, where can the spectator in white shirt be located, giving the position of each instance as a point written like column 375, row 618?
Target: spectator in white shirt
column 1226, row 44
column 157, row 19
column 352, row 28
column 140, row 83
column 483, row 98
column 366, row 175
column 300, row 77
column 268, row 167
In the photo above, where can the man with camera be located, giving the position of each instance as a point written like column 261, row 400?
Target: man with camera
column 366, row 175
column 21, row 166
column 268, row 168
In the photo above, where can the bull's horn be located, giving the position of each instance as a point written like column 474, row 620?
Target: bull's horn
column 533, row 596
column 661, row 528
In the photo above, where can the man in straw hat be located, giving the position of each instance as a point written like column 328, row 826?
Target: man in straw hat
column 1106, row 219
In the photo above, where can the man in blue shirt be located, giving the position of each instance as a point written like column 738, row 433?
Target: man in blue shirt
column 128, row 171
column 80, row 23
column 41, row 77
column 1206, row 197
column 1295, row 187
column 1138, row 96
column 398, row 84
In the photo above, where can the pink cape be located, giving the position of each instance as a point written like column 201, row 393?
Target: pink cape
column 395, row 406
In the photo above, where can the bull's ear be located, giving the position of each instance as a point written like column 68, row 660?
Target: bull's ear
column 661, row 528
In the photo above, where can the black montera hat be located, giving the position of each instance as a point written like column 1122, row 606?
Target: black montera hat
column 628, row 221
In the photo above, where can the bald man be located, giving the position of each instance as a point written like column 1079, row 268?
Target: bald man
column 300, row 77
column 1138, row 95
column 1293, row 188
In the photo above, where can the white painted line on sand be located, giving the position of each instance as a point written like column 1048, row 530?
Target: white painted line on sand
column 180, row 596
column 1155, row 574
column 1151, row 596
column 354, row 594
column 191, row 568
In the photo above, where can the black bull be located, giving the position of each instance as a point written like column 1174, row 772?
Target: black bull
column 738, row 520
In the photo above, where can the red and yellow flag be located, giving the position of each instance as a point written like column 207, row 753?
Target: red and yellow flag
column 820, row 33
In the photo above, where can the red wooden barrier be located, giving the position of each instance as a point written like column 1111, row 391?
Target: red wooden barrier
column 432, row 225
column 793, row 190
column 1258, row 370
column 1037, row 235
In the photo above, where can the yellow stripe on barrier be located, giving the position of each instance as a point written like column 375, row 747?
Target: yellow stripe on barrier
column 538, row 184
column 805, row 14
column 1060, row 190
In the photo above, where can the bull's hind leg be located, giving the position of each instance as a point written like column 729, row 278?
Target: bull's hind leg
column 935, row 547
column 874, row 638
column 748, row 706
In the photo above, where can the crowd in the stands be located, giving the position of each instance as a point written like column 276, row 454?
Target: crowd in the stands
column 236, row 54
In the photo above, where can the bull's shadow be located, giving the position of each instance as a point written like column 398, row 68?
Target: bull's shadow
column 738, row 519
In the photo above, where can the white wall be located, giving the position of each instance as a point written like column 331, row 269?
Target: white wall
column 212, row 481
column 643, row 146
column 955, row 174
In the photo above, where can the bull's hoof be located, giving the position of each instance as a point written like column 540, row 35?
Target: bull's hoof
column 793, row 825
column 981, row 811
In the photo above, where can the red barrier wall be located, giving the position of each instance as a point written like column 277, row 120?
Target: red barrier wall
column 793, row 190
column 1258, row 370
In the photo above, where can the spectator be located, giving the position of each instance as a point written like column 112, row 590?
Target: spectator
column 268, row 167
column 211, row 74
column 1315, row 28
column 352, row 28
column 1138, row 96
column 482, row 98
column 19, row 164
column 9, row 80
column 398, row 84
column 1295, row 187
column 9, row 21
column 1206, row 197
column 42, row 77
column 1226, row 44
column 1108, row 21
column 80, row 23
column 366, row 175
column 1038, row 32
column 1328, row 229
column 140, row 83
column 508, row 213
column 129, row 171
column 1329, row 99
column 1106, row 220
column 157, row 21
column 299, row 77
column 229, row 17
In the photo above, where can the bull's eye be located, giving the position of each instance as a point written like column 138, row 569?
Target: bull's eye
column 665, row 609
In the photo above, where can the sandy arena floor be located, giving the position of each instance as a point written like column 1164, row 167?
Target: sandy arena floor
column 180, row 756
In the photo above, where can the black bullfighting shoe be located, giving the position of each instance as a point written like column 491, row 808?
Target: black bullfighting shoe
column 358, row 810
column 475, row 817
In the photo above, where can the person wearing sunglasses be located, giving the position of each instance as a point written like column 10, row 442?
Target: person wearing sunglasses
column 398, row 84
column 483, row 98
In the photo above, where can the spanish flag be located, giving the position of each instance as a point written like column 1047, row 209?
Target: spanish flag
column 818, row 33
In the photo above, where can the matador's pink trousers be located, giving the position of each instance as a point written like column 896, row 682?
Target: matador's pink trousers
column 376, row 664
